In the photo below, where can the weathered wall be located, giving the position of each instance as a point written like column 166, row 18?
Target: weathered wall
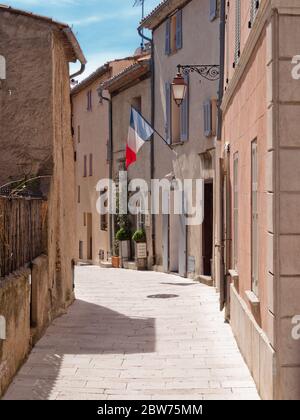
column 25, row 97
column 15, row 307
column 61, row 210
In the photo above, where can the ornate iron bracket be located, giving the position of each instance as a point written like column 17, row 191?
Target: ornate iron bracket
column 209, row 72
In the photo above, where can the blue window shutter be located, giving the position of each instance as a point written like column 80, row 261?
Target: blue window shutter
column 207, row 118
column 168, row 112
column 213, row 9
column 168, row 37
column 184, row 114
column 179, row 30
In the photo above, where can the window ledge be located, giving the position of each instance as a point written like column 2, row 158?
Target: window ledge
column 178, row 143
column 253, row 299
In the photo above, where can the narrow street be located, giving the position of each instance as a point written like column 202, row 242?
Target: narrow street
column 136, row 335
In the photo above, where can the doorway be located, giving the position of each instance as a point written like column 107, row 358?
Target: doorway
column 89, row 236
column 207, row 228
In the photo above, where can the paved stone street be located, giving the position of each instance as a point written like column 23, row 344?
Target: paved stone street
column 136, row 335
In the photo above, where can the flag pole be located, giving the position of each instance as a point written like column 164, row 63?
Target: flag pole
column 155, row 131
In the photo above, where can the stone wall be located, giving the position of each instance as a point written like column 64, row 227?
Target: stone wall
column 15, row 308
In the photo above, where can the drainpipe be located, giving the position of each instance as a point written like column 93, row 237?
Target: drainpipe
column 222, row 64
column 82, row 68
column 152, row 151
column 110, row 145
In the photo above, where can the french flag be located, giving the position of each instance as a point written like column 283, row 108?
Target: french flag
column 139, row 132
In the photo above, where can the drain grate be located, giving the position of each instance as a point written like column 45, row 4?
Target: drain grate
column 162, row 296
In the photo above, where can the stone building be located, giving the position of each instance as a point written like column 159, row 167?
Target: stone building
column 91, row 128
column 180, row 29
column 36, row 143
column 259, row 178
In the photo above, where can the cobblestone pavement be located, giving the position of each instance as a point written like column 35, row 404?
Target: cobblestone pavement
column 136, row 335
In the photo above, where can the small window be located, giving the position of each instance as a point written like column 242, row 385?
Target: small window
column 89, row 100
column 78, row 134
column 213, row 10
column 84, row 219
column 91, row 165
column 173, row 41
column 80, row 250
column 85, row 166
column 207, row 111
column 137, row 103
column 78, row 194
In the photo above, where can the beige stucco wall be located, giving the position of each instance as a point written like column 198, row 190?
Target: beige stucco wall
column 94, row 136
column 197, row 28
column 121, row 105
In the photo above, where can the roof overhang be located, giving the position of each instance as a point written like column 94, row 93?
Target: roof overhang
column 63, row 28
column 161, row 12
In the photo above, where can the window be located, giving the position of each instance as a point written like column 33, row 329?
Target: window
column 78, row 134
column 78, row 194
column 207, row 111
column 254, row 6
column 254, row 217
column 80, row 250
column 173, row 41
column 213, row 10
column 237, row 51
column 137, row 103
column 235, row 210
column 91, row 165
column 85, row 166
column 84, row 219
column 89, row 100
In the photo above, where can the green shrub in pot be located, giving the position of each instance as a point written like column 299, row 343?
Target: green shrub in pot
column 139, row 236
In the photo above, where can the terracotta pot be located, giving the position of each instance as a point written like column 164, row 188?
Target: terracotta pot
column 116, row 262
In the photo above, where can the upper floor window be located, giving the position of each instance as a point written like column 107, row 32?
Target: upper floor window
column 85, row 166
column 89, row 100
column 91, row 165
column 173, row 40
column 78, row 134
column 213, row 10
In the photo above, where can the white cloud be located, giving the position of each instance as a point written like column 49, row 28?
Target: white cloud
column 123, row 14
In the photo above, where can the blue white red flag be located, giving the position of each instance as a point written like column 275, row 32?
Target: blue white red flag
column 139, row 132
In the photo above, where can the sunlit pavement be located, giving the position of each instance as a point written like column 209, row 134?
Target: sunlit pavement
column 136, row 335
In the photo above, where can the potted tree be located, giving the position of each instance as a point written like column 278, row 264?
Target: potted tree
column 140, row 238
column 123, row 237
column 115, row 260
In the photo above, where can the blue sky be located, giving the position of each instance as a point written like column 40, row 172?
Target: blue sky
column 106, row 29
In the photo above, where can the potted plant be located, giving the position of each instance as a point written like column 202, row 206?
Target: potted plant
column 115, row 260
column 140, row 238
column 123, row 237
